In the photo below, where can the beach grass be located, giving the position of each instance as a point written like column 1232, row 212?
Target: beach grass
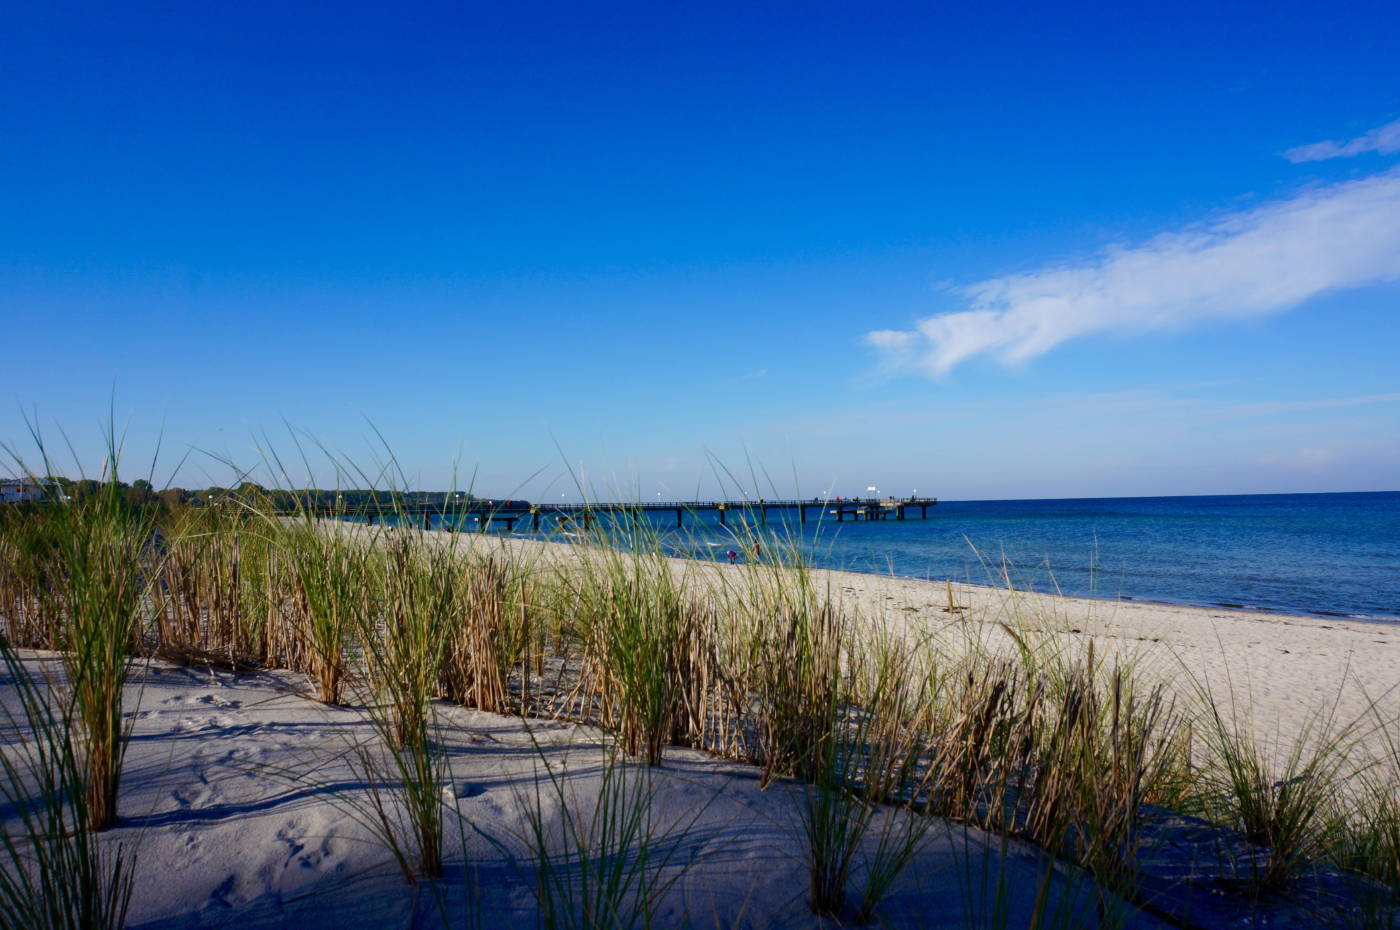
column 83, row 586
column 334, row 588
column 606, row 860
column 1286, row 800
column 880, row 733
column 401, row 650
column 55, row 871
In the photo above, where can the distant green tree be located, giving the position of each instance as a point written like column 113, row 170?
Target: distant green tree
column 139, row 493
column 172, row 497
column 84, row 489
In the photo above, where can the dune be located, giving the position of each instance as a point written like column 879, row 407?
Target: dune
column 243, row 806
column 246, row 802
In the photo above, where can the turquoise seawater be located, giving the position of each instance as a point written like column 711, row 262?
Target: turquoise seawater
column 1320, row 554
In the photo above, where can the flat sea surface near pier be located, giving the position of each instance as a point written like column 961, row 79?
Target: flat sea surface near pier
column 1319, row 554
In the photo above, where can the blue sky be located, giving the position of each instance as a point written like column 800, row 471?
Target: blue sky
column 990, row 252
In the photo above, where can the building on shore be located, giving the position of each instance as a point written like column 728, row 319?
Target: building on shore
column 18, row 490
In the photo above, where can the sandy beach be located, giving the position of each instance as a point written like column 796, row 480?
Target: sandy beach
column 1277, row 672
column 243, row 808
column 248, row 803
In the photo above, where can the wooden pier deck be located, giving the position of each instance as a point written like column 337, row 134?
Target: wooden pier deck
column 455, row 514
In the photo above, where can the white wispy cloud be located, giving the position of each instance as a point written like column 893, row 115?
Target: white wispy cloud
column 1384, row 140
column 1249, row 263
column 1307, row 406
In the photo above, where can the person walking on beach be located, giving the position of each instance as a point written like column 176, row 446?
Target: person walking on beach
column 732, row 555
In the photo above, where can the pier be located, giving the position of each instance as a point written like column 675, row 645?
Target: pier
column 454, row 514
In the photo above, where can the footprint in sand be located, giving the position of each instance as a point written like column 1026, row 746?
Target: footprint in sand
column 218, row 702
column 235, row 758
column 217, row 722
column 206, row 700
column 302, row 851
column 226, row 895
column 191, row 851
column 193, row 797
column 463, row 790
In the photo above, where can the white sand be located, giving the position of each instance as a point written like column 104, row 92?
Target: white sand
column 1279, row 672
column 1274, row 672
column 239, row 800
column 239, row 803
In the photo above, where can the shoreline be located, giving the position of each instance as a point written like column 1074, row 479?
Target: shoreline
column 1297, row 613
column 1283, row 677
column 1232, row 604
column 1278, row 674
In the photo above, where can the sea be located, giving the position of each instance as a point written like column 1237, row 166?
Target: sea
column 1325, row 555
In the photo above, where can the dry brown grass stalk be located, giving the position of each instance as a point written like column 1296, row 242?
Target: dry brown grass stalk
column 476, row 664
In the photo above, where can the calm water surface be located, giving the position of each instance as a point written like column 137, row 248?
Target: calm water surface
column 1322, row 554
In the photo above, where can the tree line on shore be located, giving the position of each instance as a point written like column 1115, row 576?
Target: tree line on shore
column 141, row 493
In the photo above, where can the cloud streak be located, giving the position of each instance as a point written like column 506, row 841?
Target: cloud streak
column 1307, row 406
column 1244, row 264
column 1384, row 140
